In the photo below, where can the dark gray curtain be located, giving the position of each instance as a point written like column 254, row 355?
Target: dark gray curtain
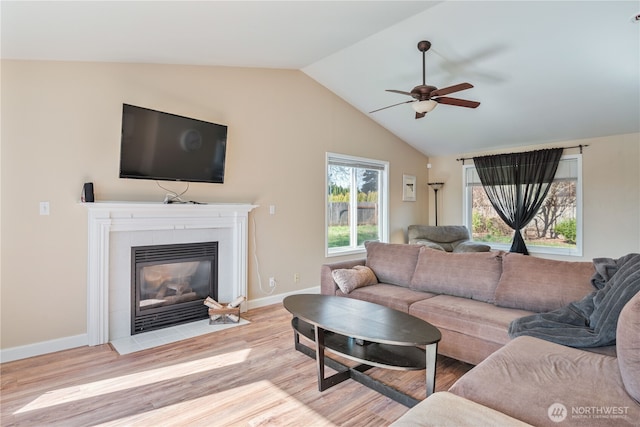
column 516, row 185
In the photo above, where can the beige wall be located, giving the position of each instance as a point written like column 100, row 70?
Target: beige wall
column 610, row 189
column 61, row 127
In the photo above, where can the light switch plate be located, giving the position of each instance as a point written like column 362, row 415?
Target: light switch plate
column 44, row 208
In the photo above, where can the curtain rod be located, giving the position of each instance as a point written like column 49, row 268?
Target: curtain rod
column 581, row 146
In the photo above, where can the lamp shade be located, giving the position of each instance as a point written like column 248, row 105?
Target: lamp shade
column 424, row 106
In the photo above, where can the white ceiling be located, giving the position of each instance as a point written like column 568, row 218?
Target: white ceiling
column 544, row 71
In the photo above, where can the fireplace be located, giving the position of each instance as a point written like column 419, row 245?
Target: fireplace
column 116, row 227
column 170, row 282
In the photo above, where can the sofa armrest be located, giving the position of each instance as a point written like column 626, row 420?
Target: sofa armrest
column 328, row 286
column 444, row 409
column 471, row 247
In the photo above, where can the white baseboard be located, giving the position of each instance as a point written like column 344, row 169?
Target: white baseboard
column 45, row 347
column 275, row 299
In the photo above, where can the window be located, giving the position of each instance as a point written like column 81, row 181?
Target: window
column 356, row 203
column 556, row 229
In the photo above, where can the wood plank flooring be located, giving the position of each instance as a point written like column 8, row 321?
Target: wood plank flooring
column 244, row 376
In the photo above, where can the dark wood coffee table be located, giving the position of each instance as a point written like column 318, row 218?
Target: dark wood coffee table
column 368, row 333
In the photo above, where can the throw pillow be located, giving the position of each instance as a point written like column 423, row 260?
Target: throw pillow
column 349, row 279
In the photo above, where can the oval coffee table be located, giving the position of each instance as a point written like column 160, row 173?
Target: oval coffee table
column 368, row 333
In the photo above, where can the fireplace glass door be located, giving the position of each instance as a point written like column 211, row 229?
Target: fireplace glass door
column 170, row 283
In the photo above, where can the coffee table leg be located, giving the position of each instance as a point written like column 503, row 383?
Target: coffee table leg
column 296, row 340
column 320, row 356
column 431, row 351
column 343, row 374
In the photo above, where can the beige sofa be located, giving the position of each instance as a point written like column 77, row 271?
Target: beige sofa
column 540, row 383
column 472, row 298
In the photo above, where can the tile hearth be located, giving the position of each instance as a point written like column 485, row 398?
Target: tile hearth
column 170, row 335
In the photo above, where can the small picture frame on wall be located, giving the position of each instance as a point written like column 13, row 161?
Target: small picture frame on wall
column 408, row 188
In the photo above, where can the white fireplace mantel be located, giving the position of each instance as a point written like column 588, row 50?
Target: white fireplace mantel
column 108, row 217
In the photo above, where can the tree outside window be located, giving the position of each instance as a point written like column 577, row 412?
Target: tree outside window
column 555, row 229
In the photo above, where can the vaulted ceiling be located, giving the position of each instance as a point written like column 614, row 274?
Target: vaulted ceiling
column 543, row 71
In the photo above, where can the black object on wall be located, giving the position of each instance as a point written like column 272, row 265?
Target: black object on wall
column 167, row 147
column 87, row 192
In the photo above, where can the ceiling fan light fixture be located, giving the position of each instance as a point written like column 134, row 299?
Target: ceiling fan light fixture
column 424, row 106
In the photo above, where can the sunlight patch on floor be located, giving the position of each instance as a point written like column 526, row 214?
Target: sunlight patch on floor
column 120, row 383
column 260, row 403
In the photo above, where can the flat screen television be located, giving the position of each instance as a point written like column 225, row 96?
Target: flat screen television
column 167, row 147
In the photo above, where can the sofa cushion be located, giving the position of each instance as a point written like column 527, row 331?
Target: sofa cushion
column 392, row 296
column 540, row 285
column 529, row 377
column 349, row 279
column 469, row 317
column 392, row 263
column 470, row 275
column 628, row 346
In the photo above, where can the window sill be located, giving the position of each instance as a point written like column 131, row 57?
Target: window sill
column 537, row 250
column 335, row 252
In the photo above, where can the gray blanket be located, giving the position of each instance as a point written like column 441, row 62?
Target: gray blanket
column 592, row 321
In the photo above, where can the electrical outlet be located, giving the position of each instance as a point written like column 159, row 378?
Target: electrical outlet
column 272, row 282
column 296, row 277
column 44, row 208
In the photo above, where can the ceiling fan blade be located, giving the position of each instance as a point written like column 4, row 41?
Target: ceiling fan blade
column 457, row 102
column 451, row 89
column 389, row 106
column 420, row 115
column 399, row 91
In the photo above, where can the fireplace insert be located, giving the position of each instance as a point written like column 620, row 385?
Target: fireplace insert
column 170, row 282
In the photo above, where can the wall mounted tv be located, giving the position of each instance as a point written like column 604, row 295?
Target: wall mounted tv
column 166, row 147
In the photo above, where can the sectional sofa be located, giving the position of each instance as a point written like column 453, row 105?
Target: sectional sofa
column 473, row 298
column 470, row 297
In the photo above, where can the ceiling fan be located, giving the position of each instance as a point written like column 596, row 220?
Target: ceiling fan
column 426, row 98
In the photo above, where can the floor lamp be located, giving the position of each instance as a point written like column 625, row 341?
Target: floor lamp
column 436, row 186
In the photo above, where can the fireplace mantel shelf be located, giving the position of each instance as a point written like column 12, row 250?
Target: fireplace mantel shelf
column 108, row 217
column 168, row 208
column 125, row 203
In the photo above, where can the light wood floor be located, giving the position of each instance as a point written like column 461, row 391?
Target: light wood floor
column 245, row 376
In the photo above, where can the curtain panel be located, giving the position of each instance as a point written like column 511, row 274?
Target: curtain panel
column 516, row 185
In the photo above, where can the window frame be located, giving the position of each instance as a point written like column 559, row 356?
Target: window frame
column 383, row 200
column 467, row 213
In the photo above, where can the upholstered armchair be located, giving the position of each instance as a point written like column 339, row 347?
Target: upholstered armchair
column 448, row 238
